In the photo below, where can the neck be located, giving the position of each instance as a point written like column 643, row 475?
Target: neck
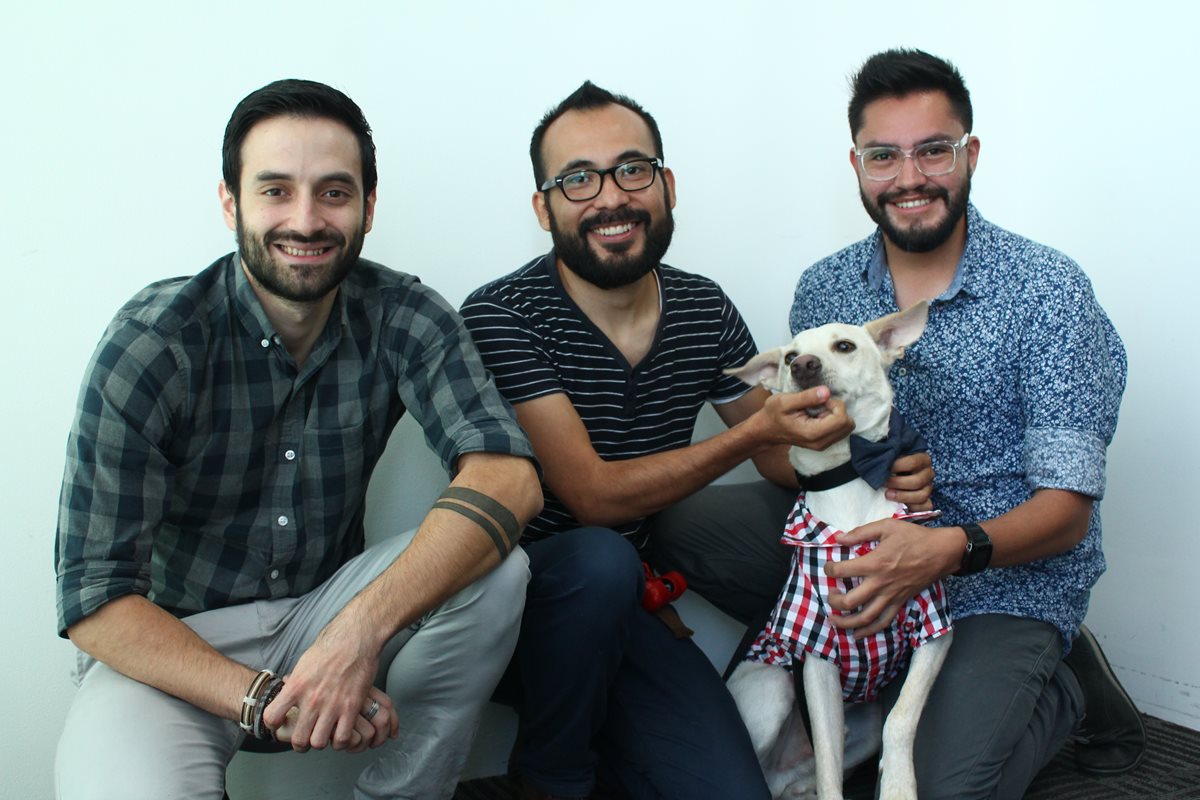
column 924, row 276
column 628, row 315
column 297, row 323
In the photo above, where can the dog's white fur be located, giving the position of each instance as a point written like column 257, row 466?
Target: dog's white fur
column 853, row 363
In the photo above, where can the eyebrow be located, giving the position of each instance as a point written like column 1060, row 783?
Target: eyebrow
column 584, row 163
column 937, row 137
column 266, row 176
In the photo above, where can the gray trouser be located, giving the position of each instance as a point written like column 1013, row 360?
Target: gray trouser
column 1004, row 702
column 126, row 740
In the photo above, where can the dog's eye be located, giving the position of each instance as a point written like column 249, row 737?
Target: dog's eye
column 844, row 346
column 788, row 358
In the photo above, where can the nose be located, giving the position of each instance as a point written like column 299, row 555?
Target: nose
column 611, row 195
column 806, row 371
column 306, row 216
column 909, row 174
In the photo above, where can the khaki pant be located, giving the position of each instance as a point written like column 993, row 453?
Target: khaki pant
column 126, row 740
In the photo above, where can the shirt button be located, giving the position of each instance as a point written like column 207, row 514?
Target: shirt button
column 290, row 455
column 274, row 574
column 902, row 372
column 283, row 520
column 265, row 342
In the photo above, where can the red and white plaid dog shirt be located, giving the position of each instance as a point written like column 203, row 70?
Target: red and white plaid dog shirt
column 800, row 623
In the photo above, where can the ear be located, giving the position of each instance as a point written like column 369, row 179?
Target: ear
column 763, row 368
column 539, row 208
column 669, row 180
column 228, row 206
column 369, row 212
column 972, row 154
column 896, row 331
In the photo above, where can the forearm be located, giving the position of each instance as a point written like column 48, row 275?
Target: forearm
column 618, row 491
column 140, row 640
column 449, row 552
column 1051, row 522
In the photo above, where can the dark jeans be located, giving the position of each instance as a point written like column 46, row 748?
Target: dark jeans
column 601, row 684
column 1004, row 702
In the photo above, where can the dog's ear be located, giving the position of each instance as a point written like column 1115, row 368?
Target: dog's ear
column 896, row 331
column 763, row 368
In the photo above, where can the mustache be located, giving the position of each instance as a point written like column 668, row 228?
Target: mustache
column 930, row 192
column 614, row 217
column 293, row 237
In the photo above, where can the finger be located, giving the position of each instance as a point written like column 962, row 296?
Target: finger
column 364, row 735
column 385, row 718
column 912, row 463
column 283, row 733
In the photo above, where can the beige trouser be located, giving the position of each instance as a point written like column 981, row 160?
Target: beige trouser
column 126, row 740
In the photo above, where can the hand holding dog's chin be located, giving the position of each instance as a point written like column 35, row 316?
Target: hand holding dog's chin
column 811, row 419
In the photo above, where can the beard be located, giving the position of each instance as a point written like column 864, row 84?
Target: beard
column 619, row 268
column 920, row 239
column 299, row 284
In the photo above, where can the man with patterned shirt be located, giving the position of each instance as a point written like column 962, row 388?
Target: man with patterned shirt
column 1015, row 383
column 608, row 355
column 210, row 542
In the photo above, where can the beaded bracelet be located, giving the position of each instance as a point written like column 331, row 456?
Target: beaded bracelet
column 250, row 702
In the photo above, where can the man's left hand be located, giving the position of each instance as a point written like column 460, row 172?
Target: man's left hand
column 906, row 560
column 911, row 481
column 331, row 691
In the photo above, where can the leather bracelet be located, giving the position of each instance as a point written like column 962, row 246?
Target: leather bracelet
column 979, row 550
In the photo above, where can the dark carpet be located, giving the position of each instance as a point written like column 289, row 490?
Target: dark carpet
column 1171, row 769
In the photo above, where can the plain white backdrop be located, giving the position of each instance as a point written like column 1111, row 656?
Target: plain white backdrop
column 112, row 122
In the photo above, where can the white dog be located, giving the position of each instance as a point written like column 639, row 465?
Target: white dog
column 853, row 362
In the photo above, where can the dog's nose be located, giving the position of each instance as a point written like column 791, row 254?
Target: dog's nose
column 805, row 370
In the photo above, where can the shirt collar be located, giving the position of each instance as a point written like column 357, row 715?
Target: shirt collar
column 970, row 276
column 254, row 318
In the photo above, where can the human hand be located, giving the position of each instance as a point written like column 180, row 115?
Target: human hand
column 908, row 558
column 911, row 481
column 326, row 697
column 811, row 419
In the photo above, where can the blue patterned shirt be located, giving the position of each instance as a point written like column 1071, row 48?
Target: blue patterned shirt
column 204, row 469
column 1015, row 383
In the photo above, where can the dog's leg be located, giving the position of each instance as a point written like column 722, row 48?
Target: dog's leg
column 898, row 780
column 766, row 698
column 823, row 691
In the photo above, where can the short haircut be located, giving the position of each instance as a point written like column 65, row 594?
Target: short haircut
column 899, row 73
column 295, row 98
column 587, row 97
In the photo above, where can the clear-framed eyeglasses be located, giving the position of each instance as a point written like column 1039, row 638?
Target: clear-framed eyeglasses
column 931, row 159
column 584, row 184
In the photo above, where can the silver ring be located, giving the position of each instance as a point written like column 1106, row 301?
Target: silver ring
column 372, row 711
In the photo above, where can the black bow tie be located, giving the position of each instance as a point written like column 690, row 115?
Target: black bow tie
column 871, row 461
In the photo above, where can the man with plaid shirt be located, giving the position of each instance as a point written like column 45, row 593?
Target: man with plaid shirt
column 210, row 531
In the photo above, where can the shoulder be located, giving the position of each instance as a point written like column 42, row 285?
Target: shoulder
column 527, row 286
column 845, row 265
column 180, row 310
column 1014, row 264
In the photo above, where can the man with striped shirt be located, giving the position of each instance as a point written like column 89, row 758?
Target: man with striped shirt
column 608, row 355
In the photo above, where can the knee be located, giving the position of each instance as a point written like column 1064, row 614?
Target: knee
column 500, row 594
column 602, row 564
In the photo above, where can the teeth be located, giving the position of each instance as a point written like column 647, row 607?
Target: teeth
column 915, row 203
column 615, row 230
column 296, row 251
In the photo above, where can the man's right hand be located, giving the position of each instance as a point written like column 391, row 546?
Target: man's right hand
column 812, row 419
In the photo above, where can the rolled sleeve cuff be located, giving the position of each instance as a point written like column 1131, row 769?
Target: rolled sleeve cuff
column 1065, row 458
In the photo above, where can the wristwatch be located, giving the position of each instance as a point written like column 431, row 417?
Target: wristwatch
column 979, row 550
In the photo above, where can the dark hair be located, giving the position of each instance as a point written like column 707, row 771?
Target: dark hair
column 588, row 96
column 901, row 72
column 295, row 98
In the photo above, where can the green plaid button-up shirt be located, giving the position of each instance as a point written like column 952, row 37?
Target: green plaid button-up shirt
column 204, row 469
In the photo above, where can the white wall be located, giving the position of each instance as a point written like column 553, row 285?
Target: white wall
column 111, row 130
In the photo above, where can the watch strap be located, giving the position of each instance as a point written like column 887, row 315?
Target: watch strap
column 979, row 550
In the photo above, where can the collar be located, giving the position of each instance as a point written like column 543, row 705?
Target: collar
column 871, row 461
column 969, row 276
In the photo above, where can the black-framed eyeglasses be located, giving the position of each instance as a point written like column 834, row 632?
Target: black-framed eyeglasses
column 584, row 184
column 932, row 159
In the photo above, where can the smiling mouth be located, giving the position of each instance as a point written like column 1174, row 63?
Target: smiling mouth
column 918, row 203
column 614, row 230
column 303, row 252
